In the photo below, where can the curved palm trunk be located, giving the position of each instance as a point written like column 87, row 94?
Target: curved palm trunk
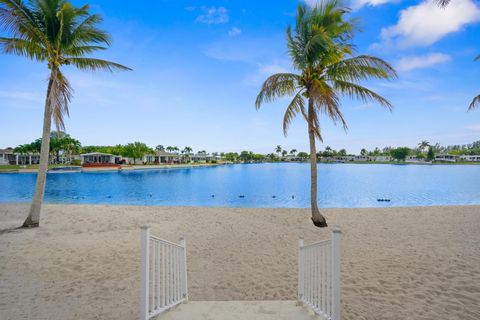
column 33, row 219
column 317, row 218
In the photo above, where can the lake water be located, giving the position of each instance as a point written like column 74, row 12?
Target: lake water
column 259, row 185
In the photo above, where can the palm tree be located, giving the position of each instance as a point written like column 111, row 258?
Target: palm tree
column 278, row 150
column 293, row 151
column 170, row 149
column 423, row 145
column 58, row 34
column 321, row 51
column 160, row 148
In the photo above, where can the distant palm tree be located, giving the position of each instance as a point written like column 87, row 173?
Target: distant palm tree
column 363, row 152
column 284, row 153
column 59, row 34
column 423, row 145
column 160, row 148
column 321, row 50
column 170, row 149
column 293, row 151
column 278, row 150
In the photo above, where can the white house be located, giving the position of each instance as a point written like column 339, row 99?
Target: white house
column 470, row 158
column 161, row 157
column 446, row 158
column 9, row 157
column 99, row 157
column 363, row 158
column 382, row 158
column 201, row 157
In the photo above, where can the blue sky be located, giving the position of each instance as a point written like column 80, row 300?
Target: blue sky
column 198, row 66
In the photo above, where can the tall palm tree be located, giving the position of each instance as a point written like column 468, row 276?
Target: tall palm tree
column 321, row 51
column 58, row 34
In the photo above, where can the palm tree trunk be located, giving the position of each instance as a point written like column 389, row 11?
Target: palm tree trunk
column 317, row 218
column 33, row 219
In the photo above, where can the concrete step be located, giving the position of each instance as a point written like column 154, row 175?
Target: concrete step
column 233, row 310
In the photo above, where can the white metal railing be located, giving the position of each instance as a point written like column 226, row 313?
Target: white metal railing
column 319, row 276
column 163, row 274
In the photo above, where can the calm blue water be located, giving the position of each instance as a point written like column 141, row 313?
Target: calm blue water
column 340, row 185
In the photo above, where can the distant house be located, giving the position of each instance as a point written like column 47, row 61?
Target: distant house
column 382, row 158
column 291, row 158
column 161, row 157
column 470, row 158
column 201, row 157
column 445, row 158
column 9, row 157
column 413, row 159
column 99, row 158
column 363, row 158
column 344, row 158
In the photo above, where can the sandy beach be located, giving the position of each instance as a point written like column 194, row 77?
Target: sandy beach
column 397, row 263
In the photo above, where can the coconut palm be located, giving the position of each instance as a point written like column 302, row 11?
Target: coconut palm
column 321, row 51
column 293, row 152
column 58, row 34
column 278, row 150
column 423, row 145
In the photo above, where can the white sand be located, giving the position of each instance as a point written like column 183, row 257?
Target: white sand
column 83, row 262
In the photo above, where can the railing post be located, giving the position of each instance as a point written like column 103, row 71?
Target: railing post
column 300, row 272
column 183, row 243
column 144, row 271
column 336, row 239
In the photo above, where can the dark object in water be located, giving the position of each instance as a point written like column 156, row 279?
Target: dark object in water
column 150, row 195
column 274, row 196
column 241, row 196
column 383, row 200
column 293, row 197
column 109, row 196
column 213, row 196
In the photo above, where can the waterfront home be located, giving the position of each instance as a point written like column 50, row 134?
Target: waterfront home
column 99, row 158
column 382, row 158
column 201, row 157
column 161, row 157
column 414, row 159
column 344, row 158
column 446, row 158
column 291, row 158
column 9, row 157
column 362, row 158
column 470, row 158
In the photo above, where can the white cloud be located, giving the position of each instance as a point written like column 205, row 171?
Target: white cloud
column 234, row 32
column 356, row 4
column 213, row 15
column 417, row 62
column 426, row 23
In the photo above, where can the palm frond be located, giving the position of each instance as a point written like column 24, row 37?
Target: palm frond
column 22, row 47
column 59, row 97
column 277, row 85
column 442, row 3
column 93, row 64
column 79, row 51
column 360, row 68
column 356, row 91
column 327, row 101
column 297, row 105
column 475, row 103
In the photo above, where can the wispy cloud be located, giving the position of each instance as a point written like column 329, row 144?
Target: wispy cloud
column 234, row 32
column 213, row 15
column 418, row 62
column 426, row 23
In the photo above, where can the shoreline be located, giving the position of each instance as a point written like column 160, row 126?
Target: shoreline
column 410, row 262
